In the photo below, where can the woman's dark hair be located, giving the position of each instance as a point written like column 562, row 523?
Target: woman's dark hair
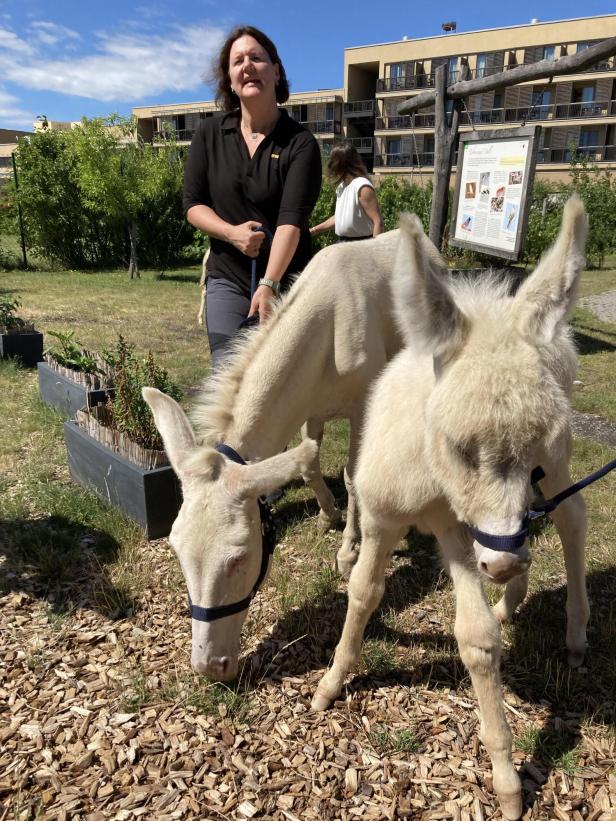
column 344, row 160
column 225, row 98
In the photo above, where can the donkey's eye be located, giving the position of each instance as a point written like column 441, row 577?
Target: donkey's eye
column 235, row 563
column 465, row 452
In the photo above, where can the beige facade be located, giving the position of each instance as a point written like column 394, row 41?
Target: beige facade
column 575, row 111
column 8, row 144
column 320, row 111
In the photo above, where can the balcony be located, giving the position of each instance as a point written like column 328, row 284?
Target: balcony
column 322, row 126
column 358, row 108
column 404, row 121
column 410, row 160
column 362, row 144
column 604, row 65
column 183, row 135
column 545, row 156
column 405, row 83
column 593, row 153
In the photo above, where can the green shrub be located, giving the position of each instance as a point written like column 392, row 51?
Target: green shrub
column 129, row 413
column 71, row 354
column 9, row 320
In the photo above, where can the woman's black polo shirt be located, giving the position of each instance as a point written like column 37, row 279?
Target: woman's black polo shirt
column 279, row 185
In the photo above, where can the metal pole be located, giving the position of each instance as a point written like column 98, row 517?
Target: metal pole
column 20, row 214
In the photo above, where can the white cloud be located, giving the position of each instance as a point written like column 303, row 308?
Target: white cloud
column 13, row 45
column 124, row 67
column 51, row 33
column 10, row 111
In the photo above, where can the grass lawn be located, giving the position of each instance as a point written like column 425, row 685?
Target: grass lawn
column 99, row 711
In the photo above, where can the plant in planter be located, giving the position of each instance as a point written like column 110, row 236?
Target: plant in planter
column 115, row 448
column 72, row 377
column 18, row 338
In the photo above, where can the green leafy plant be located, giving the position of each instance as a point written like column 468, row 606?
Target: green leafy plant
column 129, row 414
column 71, row 354
column 9, row 320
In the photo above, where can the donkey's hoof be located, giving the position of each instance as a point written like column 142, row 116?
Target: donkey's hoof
column 326, row 522
column 511, row 806
column 346, row 559
column 320, row 702
column 576, row 658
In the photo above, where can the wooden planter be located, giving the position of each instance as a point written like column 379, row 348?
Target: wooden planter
column 66, row 395
column 152, row 498
column 24, row 345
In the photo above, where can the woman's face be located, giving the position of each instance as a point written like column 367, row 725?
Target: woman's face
column 251, row 72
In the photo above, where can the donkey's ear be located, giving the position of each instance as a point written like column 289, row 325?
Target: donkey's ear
column 426, row 313
column 548, row 296
column 174, row 428
column 261, row 478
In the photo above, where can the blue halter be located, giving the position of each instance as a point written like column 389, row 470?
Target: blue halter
column 268, row 543
column 511, row 544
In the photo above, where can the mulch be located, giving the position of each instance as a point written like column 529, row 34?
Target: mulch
column 74, row 743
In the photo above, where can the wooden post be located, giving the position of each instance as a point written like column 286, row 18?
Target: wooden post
column 440, row 177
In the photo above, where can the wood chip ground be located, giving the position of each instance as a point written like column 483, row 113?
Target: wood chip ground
column 98, row 720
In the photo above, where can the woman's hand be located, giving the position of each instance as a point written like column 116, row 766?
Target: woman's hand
column 247, row 238
column 262, row 302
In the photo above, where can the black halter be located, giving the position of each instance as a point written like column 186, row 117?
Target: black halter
column 268, row 543
column 511, row 544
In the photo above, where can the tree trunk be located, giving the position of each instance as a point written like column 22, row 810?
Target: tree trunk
column 133, row 265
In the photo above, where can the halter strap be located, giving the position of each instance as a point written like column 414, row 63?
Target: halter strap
column 512, row 543
column 268, row 543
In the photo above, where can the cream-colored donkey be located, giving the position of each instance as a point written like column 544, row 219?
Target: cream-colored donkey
column 455, row 425
column 313, row 360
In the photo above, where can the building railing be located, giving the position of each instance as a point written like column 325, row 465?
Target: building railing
column 358, row 108
column 593, row 153
column 405, row 83
column 490, row 116
column 183, row 135
column 545, row 156
column 604, row 65
column 323, row 126
column 362, row 144
column 405, row 121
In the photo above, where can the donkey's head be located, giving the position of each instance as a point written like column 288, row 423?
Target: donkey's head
column 217, row 534
column 503, row 366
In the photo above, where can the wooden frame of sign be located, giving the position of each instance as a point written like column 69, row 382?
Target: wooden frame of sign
column 498, row 210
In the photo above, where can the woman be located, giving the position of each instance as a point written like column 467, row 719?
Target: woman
column 358, row 215
column 251, row 174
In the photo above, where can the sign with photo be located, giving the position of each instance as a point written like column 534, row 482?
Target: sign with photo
column 494, row 176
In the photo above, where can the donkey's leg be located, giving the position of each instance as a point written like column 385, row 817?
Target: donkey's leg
column 347, row 554
column 329, row 515
column 366, row 587
column 515, row 593
column 478, row 636
column 570, row 521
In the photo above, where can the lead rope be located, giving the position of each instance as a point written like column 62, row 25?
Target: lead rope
column 254, row 318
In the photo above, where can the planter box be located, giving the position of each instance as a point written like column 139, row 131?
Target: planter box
column 27, row 346
column 65, row 395
column 152, row 498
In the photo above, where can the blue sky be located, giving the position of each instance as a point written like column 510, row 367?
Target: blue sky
column 67, row 59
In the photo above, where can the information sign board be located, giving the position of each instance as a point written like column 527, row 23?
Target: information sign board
column 494, row 177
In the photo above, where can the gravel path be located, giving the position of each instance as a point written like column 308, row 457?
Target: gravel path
column 602, row 305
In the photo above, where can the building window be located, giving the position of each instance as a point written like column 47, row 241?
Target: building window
column 582, row 46
column 584, row 94
column 549, row 53
column 452, row 69
column 588, row 139
column 482, row 64
column 498, row 99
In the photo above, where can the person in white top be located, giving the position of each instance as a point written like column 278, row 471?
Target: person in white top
column 358, row 215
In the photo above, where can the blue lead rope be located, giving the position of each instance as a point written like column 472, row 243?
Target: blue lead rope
column 511, row 544
column 254, row 318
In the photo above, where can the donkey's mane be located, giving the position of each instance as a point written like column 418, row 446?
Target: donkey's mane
column 213, row 411
column 479, row 296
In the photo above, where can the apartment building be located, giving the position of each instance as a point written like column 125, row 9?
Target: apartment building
column 576, row 112
column 319, row 111
column 8, row 144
